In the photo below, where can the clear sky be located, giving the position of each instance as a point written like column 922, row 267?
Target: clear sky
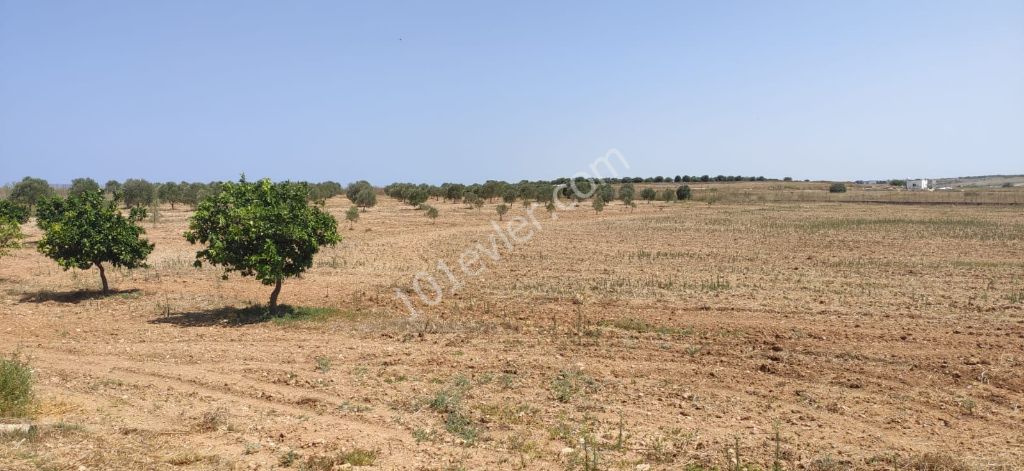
column 468, row 91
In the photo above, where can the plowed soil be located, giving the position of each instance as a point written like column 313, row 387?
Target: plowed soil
column 818, row 335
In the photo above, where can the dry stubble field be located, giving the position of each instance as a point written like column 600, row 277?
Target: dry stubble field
column 827, row 335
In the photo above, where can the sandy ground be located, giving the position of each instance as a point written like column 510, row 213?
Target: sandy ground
column 825, row 336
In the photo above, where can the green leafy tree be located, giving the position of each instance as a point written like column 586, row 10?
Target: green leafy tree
column 648, row 194
column 432, row 214
column 502, row 209
column 138, row 193
column 86, row 230
column 12, row 211
column 837, row 188
column 606, row 193
column 417, row 196
column 170, row 192
column 261, row 229
column 365, row 198
column 353, row 189
column 627, row 192
column 669, row 195
column 510, row 195
column 352, row 216
column 82, row 185
column 30, row 191
column 683, row 193
column 598, row 204
column 112, row 187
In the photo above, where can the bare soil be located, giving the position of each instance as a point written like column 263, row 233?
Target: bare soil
column 821, row 335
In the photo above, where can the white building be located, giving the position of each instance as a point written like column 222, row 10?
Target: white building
column 917, row 184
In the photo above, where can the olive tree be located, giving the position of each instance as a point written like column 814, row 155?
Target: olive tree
column 606, row 192
column 502, row 209
column 82, row 185
column 365, row 198
column 432, row 214
column 261, row 229
column 356, row 192
column 683, row 193
column 138, row 193
column 627, row 192
column 669, row 195
column 648, row 194
column 417, row 196
column 598, row 204
column 170, row 192
column 86, row 230
column 29, row 191
column 837, row 188
column 112, row 187
column 352, row 215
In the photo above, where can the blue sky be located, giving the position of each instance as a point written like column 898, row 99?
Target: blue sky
column 469, row 91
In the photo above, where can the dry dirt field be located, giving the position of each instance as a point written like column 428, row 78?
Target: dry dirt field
column 823, row 335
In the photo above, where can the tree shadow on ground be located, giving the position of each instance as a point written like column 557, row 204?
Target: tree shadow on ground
column 74, row 297
column 235, row 316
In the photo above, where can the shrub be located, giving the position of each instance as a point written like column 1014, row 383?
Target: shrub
column 432, row 213
column 502, row 209
column 669, row 195
column 837, row 188
column 261, row 229
column 13, row 211
column 10, row 236
column 15, row 387
column 86, row 230
column 598, row 204
column 683, row 193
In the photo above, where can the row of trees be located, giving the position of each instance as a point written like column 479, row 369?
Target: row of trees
column 142, row 193
column 262, row 229
column 475, row 195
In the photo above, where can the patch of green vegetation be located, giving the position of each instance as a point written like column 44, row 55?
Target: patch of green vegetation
column 323, row 364
column 570, row 382
column 448, row 401
column 460, row 425
column 353, row 457
column 15, row 387
column 288, row 459
column 288, row 315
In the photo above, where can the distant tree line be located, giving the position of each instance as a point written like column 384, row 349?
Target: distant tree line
column 140, row 193
column 541, row 192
